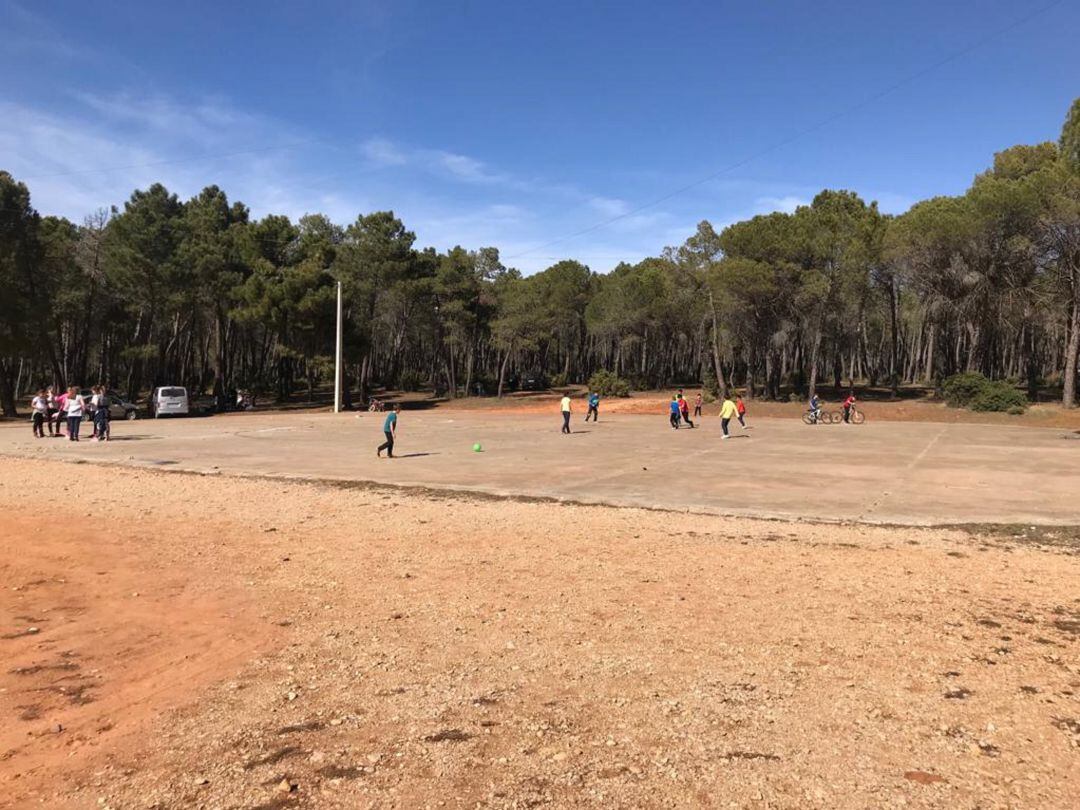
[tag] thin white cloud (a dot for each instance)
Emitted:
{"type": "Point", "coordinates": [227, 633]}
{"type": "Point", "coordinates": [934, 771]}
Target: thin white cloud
{"type": "Point", "coordinates": [208, 123]}
{"type": "Point", "coordinates": [445, 196]}
{"type": "Point", "coordinates": [608, 206]}
{"type": "Point", "coordinates": [380, 153]}
{"type": "Point", "coordinates": [787, 204]}
{"type": "Point", "coordinates": [383, 153]}
{"type": "Point", "coordinates": [465, 167]}
{"type": "Point", "coordinates": [95, 155]}
{"type": "Point", "coordinates": [26, 32]}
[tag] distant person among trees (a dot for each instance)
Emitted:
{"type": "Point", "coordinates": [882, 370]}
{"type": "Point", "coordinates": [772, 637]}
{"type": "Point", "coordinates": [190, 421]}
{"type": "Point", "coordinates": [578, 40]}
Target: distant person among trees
{"type": "Point", "coordinates": [101, 414]}
{"type": "Point", "coordinates": [698, 402]}
{"type": "Point", "coordinates": [40, 407]}
{"type": "Point", "coordinates": [61, 411]}
{"type": "Point", "coordinates": [92, 407]}
{"type": "Point", "coordinates": [740, 411]}
{"type": "Point", "coordinates": [684, 411]}
{"type": "Point", "coordinates": [53, 414]}
{"type": "Point", "coordinates": [594, 407]}
{"type": "Point", "coordinates": [727, 411]}
{"type": "Point", "coordinates": [390, 431]}
{"type": "Point", "coordinates": [676, 414]}
{"type": "Point", "coordinates": [565, 406]}
{"type": "Point", "coordinates": [74, 405]}
{"type": "Point", "coordinates": [849, 403]}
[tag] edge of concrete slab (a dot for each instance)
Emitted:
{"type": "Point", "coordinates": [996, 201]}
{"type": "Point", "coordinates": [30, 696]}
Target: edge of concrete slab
{"type": "Point", "coordinates": [1058, 534]}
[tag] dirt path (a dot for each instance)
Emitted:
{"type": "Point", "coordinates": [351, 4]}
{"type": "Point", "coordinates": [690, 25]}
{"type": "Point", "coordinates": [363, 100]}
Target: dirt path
{"type": "Point", "coordinates": [295, 645]}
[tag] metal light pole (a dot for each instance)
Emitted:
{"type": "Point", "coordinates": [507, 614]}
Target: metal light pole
{"type": "Point", "coordinates": [337, 356]}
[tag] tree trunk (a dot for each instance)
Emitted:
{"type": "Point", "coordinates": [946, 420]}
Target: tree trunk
{"type": "Point", "coordinates": [220, 359]}
{"type": "Point", "coordinates": [469, 369]}
{"type": "Point", "coordinates": [894, 380]}
{"type": "Point", "coordinates": [502, 370]}
{"type": "Point", "coordinates": [8, 404]}
{"type": "Point", "coordinates": [1072, 353]}
{"type": "Point", "coordinates": [815, 350]}
{"type": "Point", "coordinates": [718, 369]}
{"type": "Point", "coordinates": [751, 367]}
{"type": "Point", "coordinates": [928, 374]}
{"type": "Point", "coordinates": [1031, 362]}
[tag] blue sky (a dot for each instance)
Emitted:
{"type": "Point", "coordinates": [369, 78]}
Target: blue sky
{"type": "Point", "coordinates": [515, 124]}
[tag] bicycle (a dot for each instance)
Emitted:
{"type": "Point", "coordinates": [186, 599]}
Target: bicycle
{"type": "Point", "coordinates": [819, 417]}
{"type": "Point", "coordinates": [856, 417]}
{"type": "Point", "coordinates": [376, 406]}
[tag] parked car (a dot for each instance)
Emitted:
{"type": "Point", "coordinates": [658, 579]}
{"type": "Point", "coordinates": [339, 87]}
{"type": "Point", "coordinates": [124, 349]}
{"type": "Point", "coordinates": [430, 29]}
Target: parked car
{"type": "Point", "coordinates": [119, 408]}
{"type": "Point", "coordinates": [169, 400]}
{"type": "Point", "coordinates": [533, 382]}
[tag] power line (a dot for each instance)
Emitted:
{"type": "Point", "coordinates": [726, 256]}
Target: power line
{"type": "Point", "coordinates": [889, 89]}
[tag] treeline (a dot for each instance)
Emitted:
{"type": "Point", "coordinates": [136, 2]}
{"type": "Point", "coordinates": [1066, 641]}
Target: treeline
{"type": "Point", "coordinates": [198, 293]}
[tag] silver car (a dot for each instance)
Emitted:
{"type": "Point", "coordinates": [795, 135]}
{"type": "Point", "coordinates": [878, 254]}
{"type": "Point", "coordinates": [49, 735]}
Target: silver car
{"type": "Point", "coordinates": [119, 408]}
{"type": "Point", "coordinates": [169, 400]}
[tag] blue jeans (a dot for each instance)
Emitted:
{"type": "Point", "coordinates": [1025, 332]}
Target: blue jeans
{"type": "Point", "coordinates": [73, 427]}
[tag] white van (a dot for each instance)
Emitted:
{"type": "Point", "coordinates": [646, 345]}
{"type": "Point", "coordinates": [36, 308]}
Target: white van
{"type": "Point", "coordinates": [169, 400]}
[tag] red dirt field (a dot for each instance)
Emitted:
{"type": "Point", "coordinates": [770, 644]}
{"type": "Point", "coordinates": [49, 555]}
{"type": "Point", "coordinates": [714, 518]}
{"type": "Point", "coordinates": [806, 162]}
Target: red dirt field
{"type": "Point", "coordinates": [224, 643]}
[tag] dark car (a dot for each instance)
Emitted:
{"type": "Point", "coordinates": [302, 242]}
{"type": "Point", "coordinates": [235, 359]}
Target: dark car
{"type": "Point", "coordinates": [533, 382]}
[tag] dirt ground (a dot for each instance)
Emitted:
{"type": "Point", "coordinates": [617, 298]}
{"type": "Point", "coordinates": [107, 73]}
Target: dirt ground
{"type": "Point", "coordinates": [906, 473]}
{"type": "Point", "coordinates": [910, 408]}
{"type": "Point", "coordinates": [177, 641]}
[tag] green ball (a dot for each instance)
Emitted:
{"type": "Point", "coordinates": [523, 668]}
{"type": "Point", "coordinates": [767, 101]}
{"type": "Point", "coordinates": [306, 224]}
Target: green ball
{"type": "Point", "coordinates": [477, 448]}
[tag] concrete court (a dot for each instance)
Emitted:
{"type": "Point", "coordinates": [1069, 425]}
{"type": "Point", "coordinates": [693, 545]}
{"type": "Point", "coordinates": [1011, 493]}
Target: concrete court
{"type": "Point", "coordinates": [884, 472]}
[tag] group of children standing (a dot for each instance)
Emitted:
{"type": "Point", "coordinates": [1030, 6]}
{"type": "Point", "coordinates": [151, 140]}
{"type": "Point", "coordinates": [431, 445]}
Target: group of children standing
{"type": "Point", "coordinates": [48, 408]}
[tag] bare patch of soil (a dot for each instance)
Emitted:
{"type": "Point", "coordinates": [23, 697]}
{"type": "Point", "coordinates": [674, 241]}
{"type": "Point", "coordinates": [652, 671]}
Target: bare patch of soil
{"type": "Point", "coordinates": [424, 651]}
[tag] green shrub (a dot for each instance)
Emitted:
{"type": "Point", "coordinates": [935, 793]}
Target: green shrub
{"type": "Point", "coordinates": [960, 390]}
{"type": "Point", "coordinates": [411, 380]}
{"type": "Point", "coordinates": [710, 388]}
{"type": "Point", "coordinates": [607, 384]}
{"type": "Point", "coordinates": [1016, 410]}
{"type": "Point", "coordinates": [559, 381]}
{"type": "Point", "coordinates": [1000, 397]}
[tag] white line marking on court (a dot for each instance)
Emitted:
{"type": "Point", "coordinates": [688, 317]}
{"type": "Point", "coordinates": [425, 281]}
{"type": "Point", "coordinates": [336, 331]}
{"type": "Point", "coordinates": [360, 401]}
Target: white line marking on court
{"type": "Point", "coordinates": [876, 502]}
{"type": "Point", "coordinates": [927, 449]}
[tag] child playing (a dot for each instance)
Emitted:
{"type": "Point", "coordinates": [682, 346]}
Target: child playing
{"type": "Point", "coordinates": [40, 406]}
{"type": "Point", "coordinates": [684, 411]}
